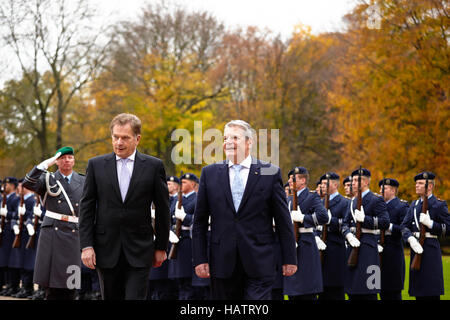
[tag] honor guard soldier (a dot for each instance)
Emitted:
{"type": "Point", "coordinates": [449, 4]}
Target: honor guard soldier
{"type": "Point", "coordinates": [181, 268]}
{"type": "Point", "coordinates": [334, 256]}
{"type": "Point", "coordinates": [19, 258]}
{"type": "Point", "coordinates": [160, 286]}
{"type": "Point", "coordinates": [372, 217]}
{"type": "Point", "coordinates": [58, 252]}
{"type": "Point", "coordinates": [348, 187]}
{"type": "Point", "coordinates": [306, 283]}
{"type": "Point", "coordinates": [393, 258]}
{"type": "Point", "coordinates": [426, 280]}
{"type": "Point", "coordinates": [9, 212]}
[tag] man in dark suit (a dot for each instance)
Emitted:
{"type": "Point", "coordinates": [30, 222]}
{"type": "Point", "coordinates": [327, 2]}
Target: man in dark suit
{"type": "Point", "coordinates": [241, 196]}
{"type": "Point", "coordinates": [59, 244]}
{"type": "Point", "coordinates": [116, 233]}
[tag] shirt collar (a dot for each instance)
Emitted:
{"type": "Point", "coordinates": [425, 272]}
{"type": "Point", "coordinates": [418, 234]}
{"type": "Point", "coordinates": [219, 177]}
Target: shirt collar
{"type": "Point", "coordinates": [131, 157]}
{"type": "Point", "coordinates": [27, 195]}
{"type": "Point", "coordinates": [68, 177]}
{"type": "Point", "coordinates": [364, 193]}
{"type": "Point", "coordinates": [188, 194]}
{"type": "Point", "coordinates": [300, 191]}
{"type": "Point", "coordinates": [390, 200]}
{"type": "Point", "coordinates": [246, 163]}
{"type": "Point", "coordinates": [333, 195]}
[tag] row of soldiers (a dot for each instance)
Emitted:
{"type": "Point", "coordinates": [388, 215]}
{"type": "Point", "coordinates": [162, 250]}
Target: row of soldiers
{"type": "Point", "coordinates": [22, 215]}
{"type": "Point", "coordinates": [326, 236]}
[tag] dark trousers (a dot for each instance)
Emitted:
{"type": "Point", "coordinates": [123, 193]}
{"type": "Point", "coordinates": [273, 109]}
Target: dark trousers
{"type": "Point", "coordinates": [332, 293]}
{"type": "Point", "coordinates": [59, 294]}
{"type": "Point", "coordinates": [242, 286]}
{"type": "Point", "coordinates": [123, 282]}
{"type": "Point", "coordinates": [390, 295]}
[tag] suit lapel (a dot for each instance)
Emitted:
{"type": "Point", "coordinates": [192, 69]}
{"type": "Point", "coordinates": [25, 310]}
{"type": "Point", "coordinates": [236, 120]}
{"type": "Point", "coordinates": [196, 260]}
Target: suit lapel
{"type": "Point", "coordinates": [253, 177]}
{"type": "Point", "coordinates": [224, 176]}
{"type": "Point", "coordinates": [111, 172]}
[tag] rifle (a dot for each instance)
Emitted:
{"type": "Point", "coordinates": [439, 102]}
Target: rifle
{"type": "Point", "coordinates": [18, 237]}
{"type": "Point", "coordinates": [417, 260]}
{"type": "Point", "coordinates": [294, 205]}
{"type": "Point", "coordinates": [353, 258]}
{"type": "Point", "coordinates": [2, 223]}
{"type": "Point", "coordinates": [325, 227]}
{"type": "Point", "coordinates": [382, 232]}
{"type": "Point", "coordinates": [31, 240]}
{"type": "Point", "coordinates": [174, 249]}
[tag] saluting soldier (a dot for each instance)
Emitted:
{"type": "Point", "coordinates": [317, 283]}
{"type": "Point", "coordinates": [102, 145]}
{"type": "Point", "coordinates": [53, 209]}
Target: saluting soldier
{"type": "Point", "coordinates": [373, 216]}
{"type": "Point", "coordinates": [334, 259]}
{"type": "Point", "coordinates": [306, 283]}
{"type": "Point", "coordinates": [59, 243]}
{"type": "Point", "coordinates": [428, 282]}
{"type": "Point", "coordinates": [181, 268]}
{"type": "Point", "coordinates": [393, 263]}
{"type": "Point", "coordinates": [11, 276]}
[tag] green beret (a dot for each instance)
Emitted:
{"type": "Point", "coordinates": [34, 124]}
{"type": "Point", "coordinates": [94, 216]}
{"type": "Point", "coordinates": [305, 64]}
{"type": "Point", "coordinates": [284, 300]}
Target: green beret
{"type": "Point", "coordinates": [65, 150]}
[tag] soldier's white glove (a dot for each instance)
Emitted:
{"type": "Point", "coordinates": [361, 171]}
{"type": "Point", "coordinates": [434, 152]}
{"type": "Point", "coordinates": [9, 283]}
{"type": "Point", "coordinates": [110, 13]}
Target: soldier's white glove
{"type": "Point", "coordinates": [320, 244]}
{"type": "Point", "coordinates": [415, 245]}
{"type": "Point", "coordinates": [179, 213]}
{"type": "Point", "coordinates": [16, 229]}
{"type": "Point", "coordinates": [30, 229]}
{"type": "Point", "coordinates": [380, 248]}
{"type": "Point", "coordinates": [3, 211]}
{"type": "Point", "coordinates": [297, 215]}
{"type": "Point", "coordinates": [37, 211]}
{"type": "Point", "coordinates": [49, 162]}
{"type": "Point", "coordinates": [173, 237]}
{"type": "Point", "coordinates": [329, 216]}
{"type": "Point", "coordinates": [359, 215]}
{"type": "Point", "coordinates": [425, 219]}
{"type": "Point", "coordinates": [22, 210]}
{"type": "Point", "coordinates": [352, 240]}
{"type": "Point", "coordinates": [152, 213]}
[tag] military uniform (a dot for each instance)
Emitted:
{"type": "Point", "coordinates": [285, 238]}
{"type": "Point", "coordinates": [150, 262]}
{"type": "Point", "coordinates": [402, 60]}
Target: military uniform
{"type": "Point", "coordinates": [334, 257]}
{"type": "Point", "coordinates": [393, 263]}
{"type": "Point", "coordinates": [306, 283]}
{"type": "Point", "coordinates": [376, 218]}
{"type": "Point", "coordinates": [59, 243]}
{"type": "Point", "coordinates": [181, 268]}
{"type": "Point", "coordinates": [11, 277]}
{"type": "Point", "coordinates": [429, 280]}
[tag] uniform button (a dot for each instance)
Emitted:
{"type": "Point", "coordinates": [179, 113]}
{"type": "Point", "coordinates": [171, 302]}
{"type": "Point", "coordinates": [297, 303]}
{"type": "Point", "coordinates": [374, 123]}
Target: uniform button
{"type": "Point", "coordinates": [76, 204]}
{"type": "Point", "coordinates": [73, 230]}
{"type": "Point", "coordinates": [56, 228]}
{"type": "Point", "coordinates": [59, 201]}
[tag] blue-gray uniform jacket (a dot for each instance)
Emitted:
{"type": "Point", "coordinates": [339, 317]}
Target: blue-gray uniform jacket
{"type": "Point", "coordinates": [12, 204]}
{"type": "Point", "coordinates": [334, 260]}
{"type": "Point", "coordinates": [30, 253]}
{"type": "Point", "coordinates": [308, 278]}
{"type": "Point", "coordinates": [17, 256]}
{"type": "Point", "coordinates": [429, 280]}
{"type": "Point", "coordinates": [162, 271]}
{"type": "Point", "coordinates": [59, 241]}
{"type": "Point", "coordinates": [181, 267]}
{"type": "Point", "coordinates": [376, 217]}
{"type": "Point", "coordinates": [393, 266]}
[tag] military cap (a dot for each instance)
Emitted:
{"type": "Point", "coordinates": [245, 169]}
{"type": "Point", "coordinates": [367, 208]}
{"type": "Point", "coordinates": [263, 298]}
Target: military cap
{"type": "Point", "coordinates": [347, 179]}
{"type": "Point", "coordinates": [190, 176]}
{"type": "Point", "coordinates": [11, 180]}
{"type": "Point", "coordinates": [173, 179]}
{"type": "Point", "coordinates": [364, 172]}
{"type": "Point", "coordinates": [389, 182]}
{"type": "Point", "coordinates": [298, 170]}
{"type": "Point", "coordinates": [332, 176]}
{"type": "Point", "coordinates": [425, 175]}
{"type": "Point", "coordinates": [65, 150]}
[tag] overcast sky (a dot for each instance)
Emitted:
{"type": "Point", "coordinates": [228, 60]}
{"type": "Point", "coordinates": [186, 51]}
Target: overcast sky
{"type": "Point", "coordinates": [279, 16]}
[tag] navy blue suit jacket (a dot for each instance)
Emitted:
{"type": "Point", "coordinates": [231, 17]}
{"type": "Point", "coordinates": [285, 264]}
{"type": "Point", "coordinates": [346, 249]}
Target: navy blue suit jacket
{"type": "Point", "coordinates": [247, 232]}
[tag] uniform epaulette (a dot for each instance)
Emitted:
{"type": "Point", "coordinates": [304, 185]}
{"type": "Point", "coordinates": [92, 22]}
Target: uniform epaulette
{"type": "Point", "coordinates": [377, 194]}
{"type": "Point", "coordinates": [404, 201]}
